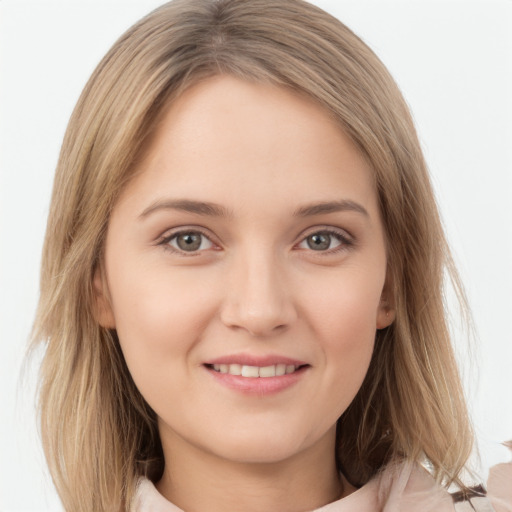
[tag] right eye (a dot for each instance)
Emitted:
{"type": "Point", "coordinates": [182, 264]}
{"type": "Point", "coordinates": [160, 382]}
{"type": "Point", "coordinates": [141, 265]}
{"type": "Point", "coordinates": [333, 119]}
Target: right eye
{"type": "Point", "coordinates": [188, 241]}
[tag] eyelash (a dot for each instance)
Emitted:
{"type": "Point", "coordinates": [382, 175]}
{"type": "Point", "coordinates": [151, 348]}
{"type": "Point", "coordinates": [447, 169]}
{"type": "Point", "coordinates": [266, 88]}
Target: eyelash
{"type": "Point", "coordinates": [346, 242]}
{"type": "Point", "coordinates": [165, 241]}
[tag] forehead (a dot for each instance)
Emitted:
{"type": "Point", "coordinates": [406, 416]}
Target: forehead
{"type": "Point", "coordinates": [248, 144]}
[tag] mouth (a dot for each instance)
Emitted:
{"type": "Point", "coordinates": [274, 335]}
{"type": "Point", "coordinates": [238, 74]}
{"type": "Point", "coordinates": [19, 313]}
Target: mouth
{"type": "Point", "coordinates": [257, 376]}
{"type": "Point", "coordinates": [253, 372]}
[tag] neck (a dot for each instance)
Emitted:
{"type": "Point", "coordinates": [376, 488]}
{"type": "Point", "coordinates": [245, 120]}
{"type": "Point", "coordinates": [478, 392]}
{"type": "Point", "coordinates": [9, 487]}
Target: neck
{"type": "Point", "coordinates": [197, 481]}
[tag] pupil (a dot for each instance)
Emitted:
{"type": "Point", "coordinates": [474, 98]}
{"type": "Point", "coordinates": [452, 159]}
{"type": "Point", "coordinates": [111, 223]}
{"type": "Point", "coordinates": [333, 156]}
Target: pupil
{"type": "Point", "coordinates": [189, 241]}
{"type": "Point", "coordinates": [319, 242]}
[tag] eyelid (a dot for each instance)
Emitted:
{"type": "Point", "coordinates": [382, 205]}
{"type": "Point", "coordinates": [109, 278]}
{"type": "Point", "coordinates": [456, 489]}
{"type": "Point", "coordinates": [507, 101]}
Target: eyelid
{"type": "Point", "coordinates": [169, 234]}
{"type": "Point", "coordinates": [345, 238]}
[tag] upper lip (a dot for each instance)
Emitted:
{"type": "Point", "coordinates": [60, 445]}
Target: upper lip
{"type": "Point", "coordinates": [254, 360]}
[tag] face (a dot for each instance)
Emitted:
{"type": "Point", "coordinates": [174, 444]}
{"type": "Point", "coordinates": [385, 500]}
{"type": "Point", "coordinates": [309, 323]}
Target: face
{"type": "Point", "coordinates": [245, 268]}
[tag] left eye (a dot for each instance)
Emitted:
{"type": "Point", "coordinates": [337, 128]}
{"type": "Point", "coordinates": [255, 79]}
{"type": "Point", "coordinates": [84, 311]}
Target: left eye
{"type": "Point", "coordinates": [322, 241]}
{"type": "Point", "coordinates": [189, 241]}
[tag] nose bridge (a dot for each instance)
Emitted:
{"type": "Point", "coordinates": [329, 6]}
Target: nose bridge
{"type": "Point", "coordinates": [258, 296]}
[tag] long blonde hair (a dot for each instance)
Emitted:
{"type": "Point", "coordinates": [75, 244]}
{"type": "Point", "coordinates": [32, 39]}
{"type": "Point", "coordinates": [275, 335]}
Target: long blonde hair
{"type": "Point", "coordinates": [99, 434]}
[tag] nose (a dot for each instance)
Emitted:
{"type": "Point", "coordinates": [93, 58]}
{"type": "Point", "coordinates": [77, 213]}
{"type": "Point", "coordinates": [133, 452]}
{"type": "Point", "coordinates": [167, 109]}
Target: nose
{"type": "Point", "coordinates": [258, 297]}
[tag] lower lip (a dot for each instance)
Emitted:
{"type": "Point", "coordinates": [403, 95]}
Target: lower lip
{"type": "Point", "coordinates": [258, 385]}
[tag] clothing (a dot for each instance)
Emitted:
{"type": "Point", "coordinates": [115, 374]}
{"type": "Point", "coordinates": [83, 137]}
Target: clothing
{"type": "Point", "coordinates": [404, 488]}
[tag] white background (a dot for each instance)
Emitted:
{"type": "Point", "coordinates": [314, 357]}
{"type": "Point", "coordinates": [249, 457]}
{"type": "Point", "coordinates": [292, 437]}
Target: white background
{"type": "Point", "coordinates": [453, 61]}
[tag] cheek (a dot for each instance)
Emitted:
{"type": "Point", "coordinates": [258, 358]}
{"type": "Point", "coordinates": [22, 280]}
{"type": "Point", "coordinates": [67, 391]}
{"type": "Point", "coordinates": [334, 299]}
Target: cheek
{"type": "Point", "coordinates": [344, 307]}
{"type": "Point", "coordinates": [344, 321]}
{"type": "Point", "coordinates": [159, 317]}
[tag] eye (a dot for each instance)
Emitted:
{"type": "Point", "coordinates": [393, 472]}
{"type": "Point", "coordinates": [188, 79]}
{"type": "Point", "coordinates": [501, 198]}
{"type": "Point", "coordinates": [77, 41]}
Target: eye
{"type": "Point", "coordinates": [188, 241]}
{"type": "Point", "coordinates": [323, 241]}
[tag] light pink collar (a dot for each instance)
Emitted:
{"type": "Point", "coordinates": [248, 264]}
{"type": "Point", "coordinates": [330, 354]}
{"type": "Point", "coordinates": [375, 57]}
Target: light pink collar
{"type": "Point", "coordinates": [398, 488]}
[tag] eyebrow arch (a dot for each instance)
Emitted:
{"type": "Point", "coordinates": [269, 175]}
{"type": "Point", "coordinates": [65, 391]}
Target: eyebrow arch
{"type": "Point", "coordinates": [214, 210]}
{"type": "Point", "coordinates": [186, 205]}
{"type": "Point", "coordinates": [330, 207]}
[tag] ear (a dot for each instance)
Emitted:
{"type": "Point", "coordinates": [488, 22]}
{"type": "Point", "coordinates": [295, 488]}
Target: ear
{"type": "Point", "coordinates": [386, 312]}
{"type": "Point", "coordinates": [102, 304]}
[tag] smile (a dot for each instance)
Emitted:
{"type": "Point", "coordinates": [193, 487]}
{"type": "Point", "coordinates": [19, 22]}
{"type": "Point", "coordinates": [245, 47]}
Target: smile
{"type": "Point", "coordinates": [258, 376]}
{"type": "Point", "coordinates": [275, 370]}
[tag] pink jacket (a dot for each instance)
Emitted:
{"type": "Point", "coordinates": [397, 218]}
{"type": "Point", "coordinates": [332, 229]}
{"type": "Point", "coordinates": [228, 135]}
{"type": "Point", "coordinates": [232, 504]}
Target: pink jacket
{"type": "Point", "coordinates": [405, 488]}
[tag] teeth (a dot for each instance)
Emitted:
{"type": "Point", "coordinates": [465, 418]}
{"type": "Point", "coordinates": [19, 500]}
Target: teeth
{"type": "Point", "coordinates": [268, 371]}
{"type": "Point", "coordinates": [250, 371]}
{"type": "Point", "coordinates": [235, 369]}
{"type": "Point", "coordinates": [275, 370]}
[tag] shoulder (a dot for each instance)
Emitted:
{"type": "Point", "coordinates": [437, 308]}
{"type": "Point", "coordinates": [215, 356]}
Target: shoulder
{"type": "Point", "coordinates": [476, 501]}
{"type": "Point", "coordinates": [411, 487]}
{"type": "Point", "coordinates": [148, 499]}
{"type": "Point", "coordinates": [481, 504]}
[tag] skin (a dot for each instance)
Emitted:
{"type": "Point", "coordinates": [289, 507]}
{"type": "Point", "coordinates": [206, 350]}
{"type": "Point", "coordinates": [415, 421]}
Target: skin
{"type": "Point", "coordinates": [253, 286]}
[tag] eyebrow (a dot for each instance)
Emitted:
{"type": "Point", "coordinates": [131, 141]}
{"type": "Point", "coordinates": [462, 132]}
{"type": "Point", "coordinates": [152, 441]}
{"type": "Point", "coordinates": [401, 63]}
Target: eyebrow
{"type": "Point", "coordinates": [215, 210]}
{"type": "Point", "coordinates": [187, 205]}
{"type": "Point", "coordinates": [343, 205]}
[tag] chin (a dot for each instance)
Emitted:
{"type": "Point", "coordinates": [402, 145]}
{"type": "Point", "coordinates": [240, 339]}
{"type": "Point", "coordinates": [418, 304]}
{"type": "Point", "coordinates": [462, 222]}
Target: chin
{"type": "Point", "coordinates": [268, 447]}
{"type": "Point", "coordinates": [264, 453]}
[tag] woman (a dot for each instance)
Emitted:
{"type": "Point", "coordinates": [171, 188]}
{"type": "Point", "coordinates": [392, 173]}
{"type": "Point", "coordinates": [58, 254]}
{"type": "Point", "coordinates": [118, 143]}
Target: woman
{"type": "Point", "coordinates": [248, 311]}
